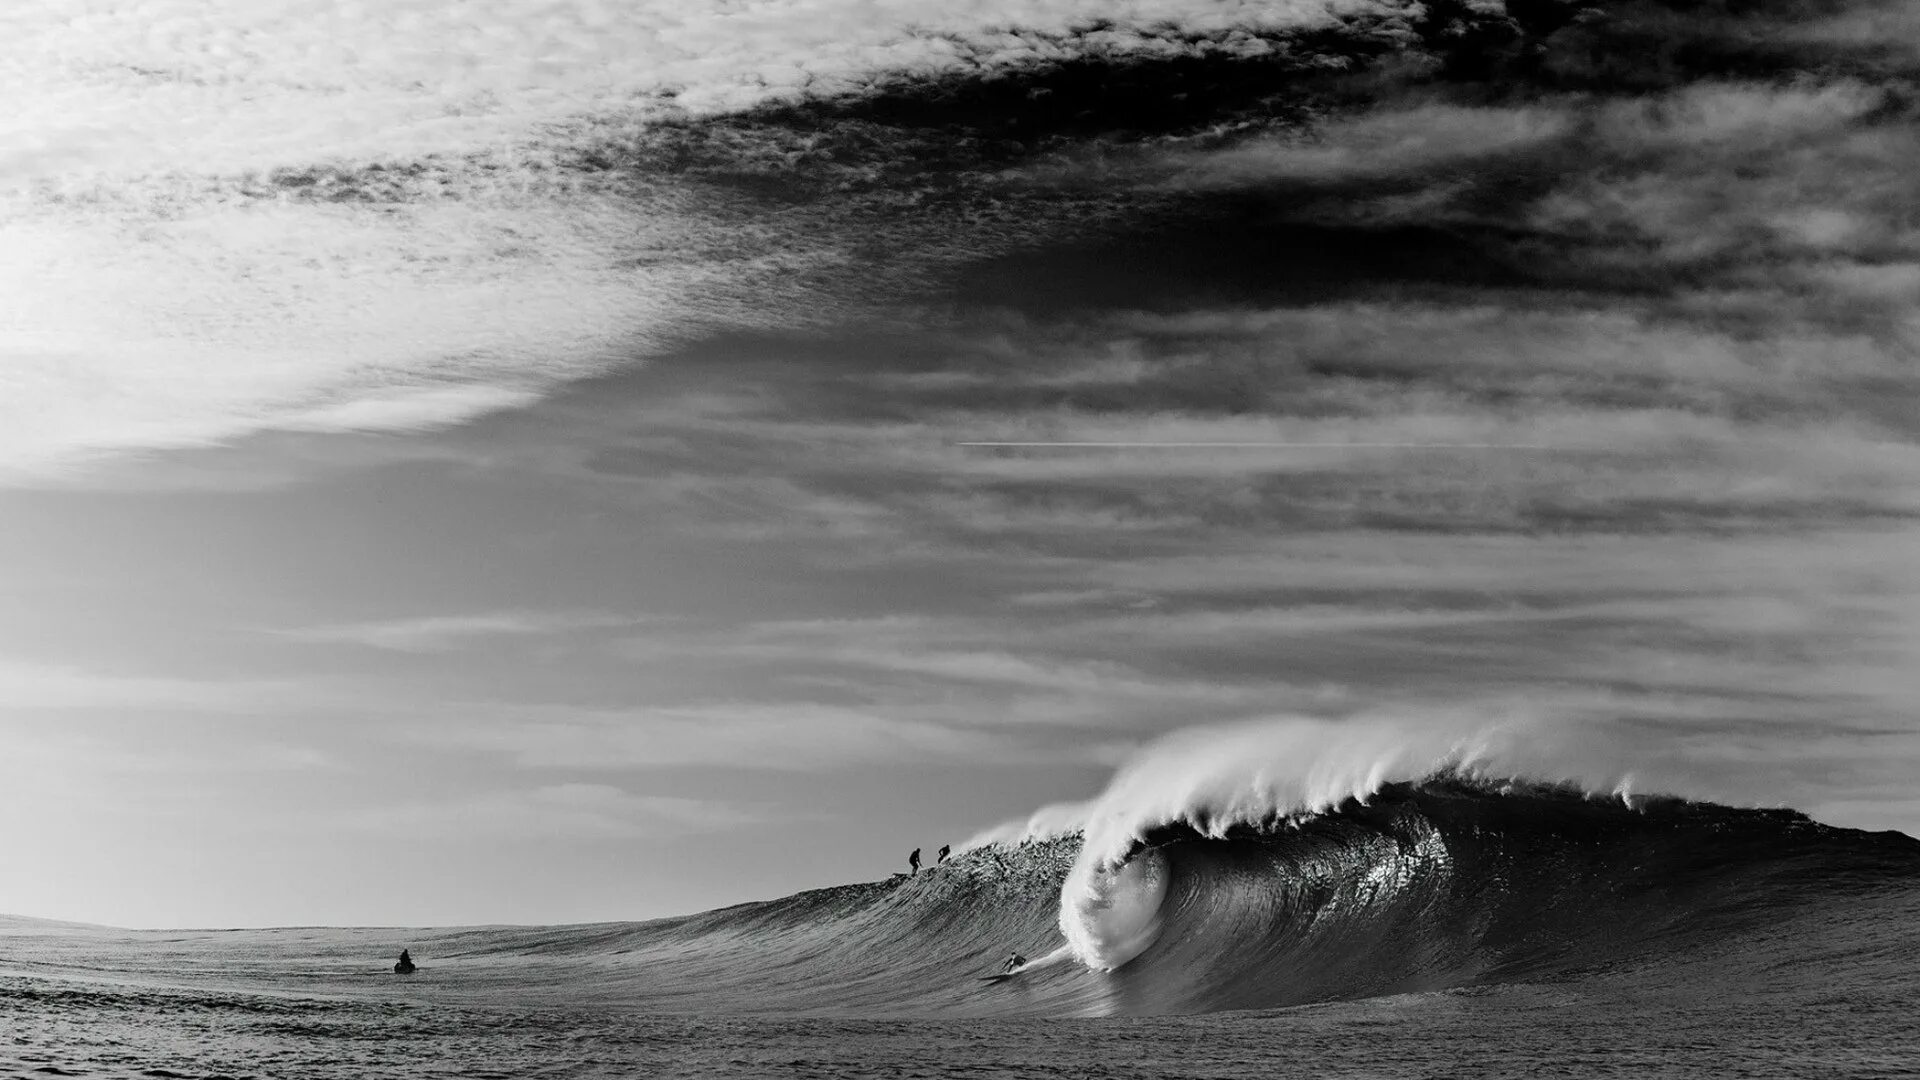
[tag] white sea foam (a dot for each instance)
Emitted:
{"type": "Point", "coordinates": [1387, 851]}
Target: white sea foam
{"type": "Point", "coordinates": [1111, 914]}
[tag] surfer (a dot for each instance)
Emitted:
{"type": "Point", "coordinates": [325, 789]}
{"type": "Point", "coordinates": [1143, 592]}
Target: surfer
{"type": "Point", "coordinates": [1014, 963]}
{"type": "Point", "coordinates": [405, 966]}
{"type": "Point", "coordinates": [943, 855]}
{"type": "Point", "coordinates": [913, 860]}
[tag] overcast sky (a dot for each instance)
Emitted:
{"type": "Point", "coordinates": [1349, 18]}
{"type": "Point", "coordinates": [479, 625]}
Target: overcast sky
{"type": "Point", "coordinates": [512, 461]}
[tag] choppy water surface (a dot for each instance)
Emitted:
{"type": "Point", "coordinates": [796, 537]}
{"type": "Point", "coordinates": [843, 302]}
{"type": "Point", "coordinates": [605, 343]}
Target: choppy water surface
{"type": "Point", "coordinates": [1446, 928]}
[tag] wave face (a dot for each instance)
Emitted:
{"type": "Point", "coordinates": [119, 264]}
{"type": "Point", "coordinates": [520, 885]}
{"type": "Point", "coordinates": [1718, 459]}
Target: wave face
{"type": "Point", "coordinates": [1447, 882]}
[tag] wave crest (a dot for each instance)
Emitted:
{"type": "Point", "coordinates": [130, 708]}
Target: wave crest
{"type": "Point", "coordinates": [1213, 780]}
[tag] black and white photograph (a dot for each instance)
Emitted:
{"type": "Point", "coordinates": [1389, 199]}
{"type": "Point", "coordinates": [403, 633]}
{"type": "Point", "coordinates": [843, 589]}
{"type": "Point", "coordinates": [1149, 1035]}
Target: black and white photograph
{"type": "Point", "coordinates": [1008, 539]}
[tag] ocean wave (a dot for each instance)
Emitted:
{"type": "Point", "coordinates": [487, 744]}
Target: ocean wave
{"type": "Point", "coordinates": [1295, 859]}
{"type": "Point", "coordinates": [1259, 866]}
{"type": "Point", "coordinates": [1455, 879]}
{"type": "Point", "coordinates": [1273, 864]}
{"type": "Point", "coordinates": [1211, 781]}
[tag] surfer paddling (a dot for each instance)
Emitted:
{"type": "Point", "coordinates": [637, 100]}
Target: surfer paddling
{"type": "Point", "coordinates": [405, 966]}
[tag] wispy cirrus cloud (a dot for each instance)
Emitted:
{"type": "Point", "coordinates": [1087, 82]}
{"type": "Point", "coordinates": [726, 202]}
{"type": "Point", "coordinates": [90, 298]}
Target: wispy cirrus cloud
{"type": "Point", "coordinates": [33, 687]}
{"type": "Point", "coordinates": [903, 666]}
{"type": "Point", "coordinates": [440, 633]}
{"type": "Point", "coordinates": [1420, 417]}
{"type": "Point", "coordinates": [750, 735]}
{"type": "Point", "coordinates": [573, 812]}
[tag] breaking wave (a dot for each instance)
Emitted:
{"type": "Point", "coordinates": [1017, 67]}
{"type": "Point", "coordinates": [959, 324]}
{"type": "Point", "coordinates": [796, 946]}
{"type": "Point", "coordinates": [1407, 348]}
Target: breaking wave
{"type": "Point", "coordinates": [1252, 867]}
{"type": "Point", "coordinates": [1280, 774]}
{"type": "Point", "coordinates": [1449, 882]}
{"type": "Point", "coordinates": [1289, 863]}
{"type": "Point", "coordinates": [1220, 871]}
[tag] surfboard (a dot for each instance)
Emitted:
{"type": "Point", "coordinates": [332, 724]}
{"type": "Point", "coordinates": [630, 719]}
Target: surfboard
{"type": "Point", "coordinates": [1003, 976]}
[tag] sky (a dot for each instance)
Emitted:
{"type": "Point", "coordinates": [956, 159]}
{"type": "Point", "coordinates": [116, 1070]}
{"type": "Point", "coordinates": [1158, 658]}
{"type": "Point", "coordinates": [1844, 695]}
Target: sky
{"type": "Point", "coordinates": [565, 461]}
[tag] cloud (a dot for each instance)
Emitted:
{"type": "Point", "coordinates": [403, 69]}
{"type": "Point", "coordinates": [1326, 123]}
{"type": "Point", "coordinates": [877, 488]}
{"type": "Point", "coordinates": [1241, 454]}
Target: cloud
{"type": "Point", "coordinates": [744, 735]}
{"type": "Point", "coordinates": [226, 219]}
{"type": "Point", "coordinates": [136, 331]}
{"type": "Point", "coordinates": [1780, 179]}
{"type": "Point", "coordinates": [442, 633]}
{"type": "Point", "coordinates": [1426, 140]}
{"type": "Point", "coordinates": [573, 812]}
{"type": "Point", "coordinates": [925, 660]}
{"type": "Point", "coordinates": [217, 87]}
{"type": "Point", "coordinates": [1486, 415]}
{"type": "Point", "coordinates": [411, 409]}
{"type": "Point", "coordinates": [1702, 118]}
{"type": "Point", "coordinates": [102, 753]}
{"type": "Point", "coordinates": [397, 220]}
{"type": "Point", "coordinates": [28, 687]}
{"type": "Point", "coordinates": [1743, 203]}
{"type": "Point", "coordinates": [1888, 27]}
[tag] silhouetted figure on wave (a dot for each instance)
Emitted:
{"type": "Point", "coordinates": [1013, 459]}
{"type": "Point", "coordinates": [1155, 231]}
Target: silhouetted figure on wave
{"type": "Point", "coordinates": [913, 860]}
{"type": "Point", "coordinates": [405, 966]}
{"type": "Point", "coordinates": [1014, 963]}
{"type": "Point", "coordinates": [943, 855]}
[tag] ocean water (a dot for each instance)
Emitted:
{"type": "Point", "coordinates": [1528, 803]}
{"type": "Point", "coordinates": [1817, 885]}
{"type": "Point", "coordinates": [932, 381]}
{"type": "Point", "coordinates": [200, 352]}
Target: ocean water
{"type": "Point", "coordinates": [1442, 928]}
